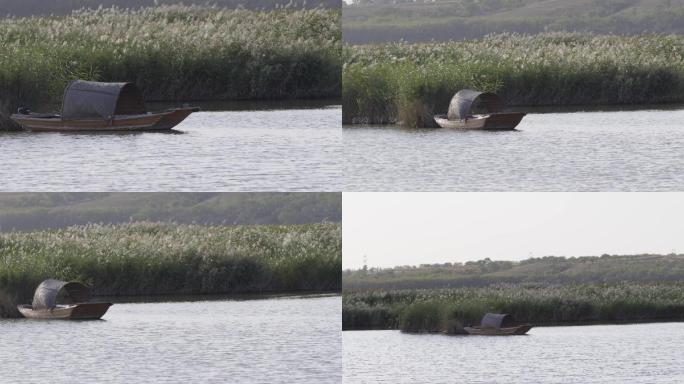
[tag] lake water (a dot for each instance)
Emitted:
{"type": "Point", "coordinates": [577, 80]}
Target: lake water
{"type": "Point", "coordinates": [581, 151]}
{"type": "Point", "coordinates": [281, 340]}
{"type": "Point", "coordinates": [644, 353]}
{"type": "Point", "coordinates": [256, 150]}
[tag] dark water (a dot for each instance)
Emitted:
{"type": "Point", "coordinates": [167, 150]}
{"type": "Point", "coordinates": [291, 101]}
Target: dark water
{"type": "Point", "coordinates": [581, 151]}
{"type": "Point", "coordinates": [282, 340]}
{"type": "Point", "coordinates": [256, 150]}
{"type": "Point", "coordinates": [644, 353]}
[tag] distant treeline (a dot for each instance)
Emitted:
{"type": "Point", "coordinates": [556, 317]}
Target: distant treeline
{"type": "Point", "coordinates": [376, 21]}
{"type": "Point", "coordinates": [604, 269]}
{"type": "Point", "coordinates": [145, 258]}
{"type": "Point", "coordinates": [34, 211]}
{"type": "Point", "coordinates": [64, 7]}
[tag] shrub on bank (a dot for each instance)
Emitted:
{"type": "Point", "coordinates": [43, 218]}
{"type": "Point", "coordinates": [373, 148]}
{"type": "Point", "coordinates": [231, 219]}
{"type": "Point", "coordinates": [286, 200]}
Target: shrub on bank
{"type": "Point", "coordinates": [449, 309]}
{"type": "Point", "coordinates": [409, 83]}
{"type": "Point", "coordinates": [172, 53]}
{"type": "Point", "coordinates": [153, 259]}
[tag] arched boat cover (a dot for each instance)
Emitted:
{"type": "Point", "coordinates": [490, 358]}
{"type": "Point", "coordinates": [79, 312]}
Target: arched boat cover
{"type": "Point", "coordinates": [497, 320]}
{"type": "Point", "coordinates": [45, 296]}
{"type": "Point", "coordinates": [462, 103]}
{"type": "Point", "coordinates": [90, 99]}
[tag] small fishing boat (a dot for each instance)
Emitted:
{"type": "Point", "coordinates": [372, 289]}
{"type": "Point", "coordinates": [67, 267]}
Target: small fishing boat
{"type": "Point", "coordinates": [45, 304]}
{"type": "Point", "coordinates": [463, 112]}
{"type": "Point", "coordinates": [498, 324]}
{"type": "Point", "coordinates": [93, 106]}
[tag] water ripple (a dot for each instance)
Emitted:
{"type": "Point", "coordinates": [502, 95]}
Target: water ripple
{"type": "Point", "coordinates": [644, 353]}
{"type": "Point", "coordinates": [275, 150]}
{"type": "Point", "coordinates": [286, 340]}
{"type": "Point", "coordinates": [584, 151]}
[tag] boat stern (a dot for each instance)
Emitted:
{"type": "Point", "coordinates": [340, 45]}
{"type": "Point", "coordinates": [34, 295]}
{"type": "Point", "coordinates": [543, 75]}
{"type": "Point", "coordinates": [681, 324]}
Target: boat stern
{"type": "Point", "coordinates": [89, 311]}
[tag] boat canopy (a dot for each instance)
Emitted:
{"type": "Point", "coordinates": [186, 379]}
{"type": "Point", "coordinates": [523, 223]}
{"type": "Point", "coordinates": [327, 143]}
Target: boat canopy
{"type": "Point", "coordinates": [463, 101]}
{"type": "Point", "coordinates": [90, 99]}
{"type": "Point", "coordinates": [497, 320]}
{"type": "Point", "coordinates": [46, 294]}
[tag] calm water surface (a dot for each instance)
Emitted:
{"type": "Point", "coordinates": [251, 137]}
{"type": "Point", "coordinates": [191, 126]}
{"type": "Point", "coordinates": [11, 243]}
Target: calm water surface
{"type": "Point", "coordinates": [284, 340]}
{"type": "Point", "coordinates": [582, 151]}
{"type": "Point", "coordinates": [644, 353]}
{"type": "Point", "coordinates": [273, 150]}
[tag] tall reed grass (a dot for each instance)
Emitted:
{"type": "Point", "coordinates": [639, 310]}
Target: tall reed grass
{"type": "Point", "coordinates": [151, 258]}
{"type": "Point", "coordinates": [173, 53]}
{"type": "Point", "coordinates": [410, 83]}
{"type": "Point", "coordinates": [449, 309]}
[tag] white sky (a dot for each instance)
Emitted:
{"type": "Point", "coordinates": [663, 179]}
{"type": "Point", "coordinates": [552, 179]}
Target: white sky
{"type": "Point", "coordinates": [413, 228]}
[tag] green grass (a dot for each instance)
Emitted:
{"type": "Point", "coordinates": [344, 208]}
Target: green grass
{"type": "Point", "coordinates": [449, 309]}
{"type": "Point", "coordinates": [173, 53]}
{"type": "Point", "coordinates": [409, 83]}
{"type": "Point", "coordinates": [152, 259]}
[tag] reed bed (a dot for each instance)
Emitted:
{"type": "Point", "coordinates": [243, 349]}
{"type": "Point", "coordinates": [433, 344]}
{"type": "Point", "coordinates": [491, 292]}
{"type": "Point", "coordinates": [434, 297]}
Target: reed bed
{"type": "Point", "coordinates": [173, 53]}
{"type": "Point", "coordinates": [408, 83]}
{"type": "Point", "coordinates": [449, 309]}
{"type": "Point", "coordinates": [151, 259]}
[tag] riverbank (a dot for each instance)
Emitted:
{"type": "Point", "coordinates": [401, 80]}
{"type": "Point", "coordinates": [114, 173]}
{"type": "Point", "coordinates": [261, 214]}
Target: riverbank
{"type": "Point", "coordinates": [168, 259]}
{"type": "Point", "coordinates": [448, 310]}
{"type": "Point", "coordinates": [172, 53]}
{"type": "Point", "coordinates": [409, 83]}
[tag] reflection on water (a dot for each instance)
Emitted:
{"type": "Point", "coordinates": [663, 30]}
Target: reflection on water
{"type": "Point", "coordinates": [643, 353]}
{"type": "Point", "coordinates": [265, 150]}
{"type": "Point", "coordinates": [284, 340]}
{"type": "Point", "coordinates": [592, 151]}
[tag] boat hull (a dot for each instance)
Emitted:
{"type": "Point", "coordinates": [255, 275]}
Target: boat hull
{"type": "Point", "coordinates": [83, 311]}
{"type": "Point", "coordinates": [507, 331]}
{"type": "Point", "coordinates": [493, 122]}
{"type": "Point", "coordinates": [158, 121]}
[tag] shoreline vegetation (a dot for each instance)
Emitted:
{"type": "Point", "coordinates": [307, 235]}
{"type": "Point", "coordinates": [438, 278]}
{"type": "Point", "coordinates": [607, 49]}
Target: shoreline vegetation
{"type": "Point", "coordinates": [541, 291]}
{"type": "Point", "coordinates": [173, 53]}
{"type": "Point", "coordinates": [409, 83]}
{"type": "Point", "coordinates": [147, 258]}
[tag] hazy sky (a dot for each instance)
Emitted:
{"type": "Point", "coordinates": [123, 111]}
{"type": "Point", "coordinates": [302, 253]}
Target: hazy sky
{"type": "Point", "coordinates": [414, 228]}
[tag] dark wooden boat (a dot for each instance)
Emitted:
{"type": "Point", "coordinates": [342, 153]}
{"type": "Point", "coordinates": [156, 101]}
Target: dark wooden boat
{"type": "Point", "coordinates": [82, 311]}
{"type": "Point", "coordinates": [505, 331]}
{"type": "Point", "coordinates": [460, 115]}
{"type": "Point", "coordinates": [91, 107]}
{"type": "Point", "coordinates": [498, 324]}
{"type": "Point", "coordinates": [45, 304]}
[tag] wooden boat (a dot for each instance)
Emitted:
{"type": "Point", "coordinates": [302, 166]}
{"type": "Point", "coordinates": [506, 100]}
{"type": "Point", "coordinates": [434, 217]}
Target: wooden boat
{"type": "Point", "coordinates": [45, 305]}
{"type": "Point", "coordinates": [506, 331]}
{"type": "Point", "coordinates": [498, 324]}
{"type": "Point", "coordinates": [82, 311]}
{"type": "Point", "coordinates": [97, 107]}
{"type": "Point", "coordinates": [460, 115]}
{"type": "Point", "coordinates": [493, 122]}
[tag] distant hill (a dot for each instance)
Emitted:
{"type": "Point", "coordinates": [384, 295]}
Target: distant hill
{"type": "Point", "coordinates": [554, 270]}
{"type": "Point", "coordinates": [63, 7]}
{"type": "Point", "coordinates": [374, 21]}
{"type": "Point", "coordinates": [33, 211]}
